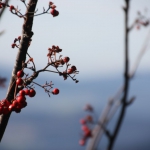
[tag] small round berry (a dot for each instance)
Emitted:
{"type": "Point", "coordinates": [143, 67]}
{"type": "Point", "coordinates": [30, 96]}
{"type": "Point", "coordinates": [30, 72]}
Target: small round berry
{"type": "Point", "coordinates": [19, 81]}
{"type": "Point", "coordinates": [19, 37]}
{"type": "Point", "coordinates": [4, 102]}
{"type": "Point", "coordinates": [83, 121]}
{"type": "Point", "coordinates": [5, 110]}
{"type": "Point", "coordinates": [17, 110]}
{"type": "Point", "coordinates": [11, 107]}
{"type": "Point", "coordinates": [51, 3]}
{"type": "Point", "coordinates": [55, 91]}
{"type": "Point", "coordinates": [82, 142]}
{"type": "Point", "coordinates": [21, 99]}
{"type": "Point", "coordinates": [27, 92]}
{"type": "Point", "coordinates": [73, 68]}
{"type": "Point", "coordinates": [32, 93]}
{"type": "Point", "coordinates": [15, 103]}
{"type": "Point", "coordinates": [1, 110]}
{"type": "Point", "coordinates": [66, 59]}
{"type": "Point", "coordinates": [22, 93]}
{"type": "Point", "coordinates": [11, 7]}
{"type": "Point", "coordinates": [69, 71]}
{"type": "Point", "coordinates": [13, 45]}
{"type": "Point", "coordinates": [54, 12]}
{"type": "Point", "coordinates": [20, 74]}
{"type": "Point", "coordinates": [24, 104]}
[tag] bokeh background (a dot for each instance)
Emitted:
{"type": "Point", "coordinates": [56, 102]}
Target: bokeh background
{"type": "Point", "coordinates": [91, 33]}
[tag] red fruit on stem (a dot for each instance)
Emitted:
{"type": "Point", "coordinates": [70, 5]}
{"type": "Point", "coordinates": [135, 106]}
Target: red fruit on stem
{"type": "Point", "coordinates": [88, 133]}
{"type": "Point", "coordinates": [27, 92]}
{"type": "Point", "coordinates": [21, 99]}
{"type": "Point", "coordinates": [19, 37]}
{"type": "Point", "coordinates": [5, 110]}
{"type": "Point", "coordinates": [22, 93]}
{"type": "Point", "coordinates": [51, 3]}
{"type": "Point", "coordinates": [11, 7]}
{"type": "Point", "coordinates": [13, 45]}
{"type": "Point", "coordinates": [4, 102]}
{"type": "Point", "coordinates": [54, 12]}
{"type": "Point", "coordinates": [82, 121]}
{"type": "Point", "coordinates": [15, 103]}
{"type": "Point", "coordinates": [70, 70]}
{"type": "Point", "coordinates": [24, 104]}
{"type": "Point", "coordinates": [82, 142]}
{"type": "Point", "coordinates": [55, 91]}
{"type": "Point", "coordinates": [66, 59]}
{"type": "Point", "coordinates": [17, 110]}
{"type": "Point", "coordinates": [32, 93]}
{"type": "Point", "coordinates": [73, 68]}
{"type": "Point", "coordinates": [20, 74]}
{"type": "Point", "coordinates": [19, 81]}
{"type": "Point", "coordinates": [84, 128]}
{"type": "Point", "coordinates": [11, 107]}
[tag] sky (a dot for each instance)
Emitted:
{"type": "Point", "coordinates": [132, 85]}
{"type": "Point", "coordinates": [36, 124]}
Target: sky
{"type": "Point", "coordinates": [91, 34]}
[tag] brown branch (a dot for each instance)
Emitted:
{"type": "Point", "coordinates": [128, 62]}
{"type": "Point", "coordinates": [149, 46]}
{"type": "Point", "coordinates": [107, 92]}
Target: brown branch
{"type": "Point", "coordinates": [126, 81]}
{"type": "Point", "coordinates": [21, 57]}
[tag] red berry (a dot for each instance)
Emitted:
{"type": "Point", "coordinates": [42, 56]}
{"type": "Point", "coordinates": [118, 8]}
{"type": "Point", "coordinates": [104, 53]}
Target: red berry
{"type": "Point", "coordinates": [17, 110]}
{"type": "Point", "coordinates": [19, 81]}
{"type": "Point", "coordinates": [21, 99]}
{"type": "Point", "coordinates": [15, 103]}
{"type": "Point", "coordinates": [11, 107]}
{"type": "Point", "coordinates": [11, 7]}
{"type": "Point", "coordinates": [20, 74]}
{"type": "Point", "coordinates": [84, 128]}
{"type": "Point", "coordinates": [22, 93]}
{"type": "Point", "coordinates": [82, 121]}
{"type": "Point", "coordinates": [54, 12]}
{"type": "Point", "coordinates": [73, 68]}
{"type": "Point", "coordinates": [69, 71]}
{"type": "Point", "coordinates": [32, 93]}
{"type": "Point", "coordinates": [4, 102]}
{"type": "Point", "coordinates": [66, 59]}
{"type": "Point", "coordinates": [24, 104]}
{"type": "Point", "coordinates": [87, 133]}
{"type": "Point", "coordinates": [55, 91]}
{"type": "Point", "coordinates": [27, 92]}
{"type": "Point", "coordinates": [82, 142]}
{"type": "Point", "coordinates": [13, 45]}
{"type": "Point", "coordinates": [5, 110]}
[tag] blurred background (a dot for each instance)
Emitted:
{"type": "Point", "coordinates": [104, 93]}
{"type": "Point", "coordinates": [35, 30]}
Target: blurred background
{"type": "Point", "coordinates": [91, 33]}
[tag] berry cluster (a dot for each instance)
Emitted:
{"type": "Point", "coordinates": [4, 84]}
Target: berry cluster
{"type": "Point", "coordinates": [19, 100]}
{"type": "Point", "coordinates": [86, 125]}
{"type": "Point", "coordinates": [141, 20]}
{"type": "Point", "coordinates": [60, 62]}
{"type": "Point", "coordinates": [23, 86]}
{"type": "Point", "coordinates": [53, 11]}
{"type": "Point", "coordinates": [17, 12]}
